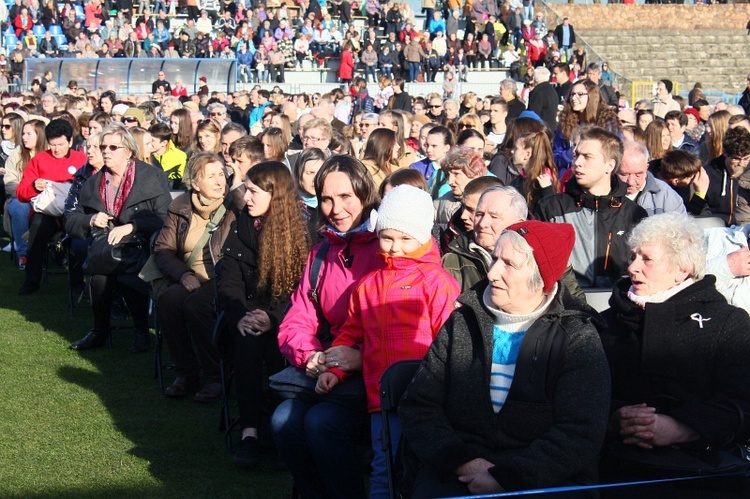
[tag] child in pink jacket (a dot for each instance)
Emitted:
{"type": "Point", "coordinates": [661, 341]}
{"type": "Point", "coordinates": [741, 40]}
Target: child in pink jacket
{"type": "Point", "coordinates": [395, 312]}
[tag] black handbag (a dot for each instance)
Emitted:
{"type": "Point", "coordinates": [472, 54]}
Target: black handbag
{"type": "Point", "coordinates": [126, 257]}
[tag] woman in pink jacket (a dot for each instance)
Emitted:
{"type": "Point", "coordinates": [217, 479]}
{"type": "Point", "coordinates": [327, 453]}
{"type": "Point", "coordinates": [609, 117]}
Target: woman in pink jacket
{"type": "Point", "coordinates": [317, 439]}
{"type": "Point", "coordinates": [395, 311]}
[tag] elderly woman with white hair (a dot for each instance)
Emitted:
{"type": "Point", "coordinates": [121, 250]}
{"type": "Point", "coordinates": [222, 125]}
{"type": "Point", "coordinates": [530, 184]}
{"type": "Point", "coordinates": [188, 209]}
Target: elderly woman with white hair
{"type": "Point", "coordinates": [513, 394]}
{"type": "Point", "coordinates": [678, 354]}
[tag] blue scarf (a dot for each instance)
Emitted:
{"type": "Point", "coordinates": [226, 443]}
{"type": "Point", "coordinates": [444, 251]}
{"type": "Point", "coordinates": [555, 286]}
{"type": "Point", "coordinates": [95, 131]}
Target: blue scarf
{"type": "Point", "coordinates": [344, 235]}
{"type": "Point", "coordinates": [310, 201]}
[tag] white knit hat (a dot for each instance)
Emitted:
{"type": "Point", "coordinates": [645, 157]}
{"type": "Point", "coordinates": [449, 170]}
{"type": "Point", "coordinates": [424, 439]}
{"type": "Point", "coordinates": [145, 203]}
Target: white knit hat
{"type": "Point", "coordinates": [407, 209]}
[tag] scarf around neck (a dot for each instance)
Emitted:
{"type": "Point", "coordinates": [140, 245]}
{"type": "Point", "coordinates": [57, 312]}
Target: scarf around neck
{"type": "Point", "coordinates": [114, 203]}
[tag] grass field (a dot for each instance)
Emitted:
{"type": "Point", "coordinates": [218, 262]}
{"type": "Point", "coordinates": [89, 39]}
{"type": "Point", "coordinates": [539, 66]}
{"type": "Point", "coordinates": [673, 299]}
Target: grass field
{"type": "Point", "coordinates": [93, 424]}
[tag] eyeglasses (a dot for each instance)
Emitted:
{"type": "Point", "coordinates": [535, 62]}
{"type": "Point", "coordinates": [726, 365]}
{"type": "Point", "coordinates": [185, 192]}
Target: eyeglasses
{"type": "Point", "coordinates": [215, 114]}
{"type": "Point", "coordinates": [314, 140]}
{"type": "Point", "coordinates": [580, 95]}
{"type": "Point", "coordinates": [111, 147]}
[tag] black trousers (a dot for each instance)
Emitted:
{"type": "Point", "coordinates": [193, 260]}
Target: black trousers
{"type": "Point", "coordinates": [41, 230]}
{"type": "Point", "coordinates": [134, 291]}
{"type": "Point", "coordinates": [251, 353]}
{"type": "Point", "coordinates": [186, 320]}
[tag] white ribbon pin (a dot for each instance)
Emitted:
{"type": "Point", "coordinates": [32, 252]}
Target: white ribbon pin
{"type": "Point", "coordinates": [699, 319]}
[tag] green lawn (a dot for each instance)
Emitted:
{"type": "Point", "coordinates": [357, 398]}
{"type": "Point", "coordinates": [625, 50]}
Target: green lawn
{"type": "Point", "coordinates": [93, 424]}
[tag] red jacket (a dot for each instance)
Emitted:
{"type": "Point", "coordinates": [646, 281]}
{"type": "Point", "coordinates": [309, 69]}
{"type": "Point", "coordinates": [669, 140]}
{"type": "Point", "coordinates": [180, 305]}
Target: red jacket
{"type": "Point", "coordinates": [179, 92]}
{"type": "Point", "coordinates": [346, 69]}
{"type": "Point", "coordinates": [47, 167]}
{"type": "Point", "coordinates": [395, 312]}
{"type": "Point", "coordinates": [19, 24]}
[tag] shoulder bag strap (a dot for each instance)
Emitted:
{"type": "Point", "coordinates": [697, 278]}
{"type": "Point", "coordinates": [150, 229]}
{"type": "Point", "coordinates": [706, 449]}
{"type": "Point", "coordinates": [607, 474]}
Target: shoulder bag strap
{"type": "Point", "coordinates": [212, 224]}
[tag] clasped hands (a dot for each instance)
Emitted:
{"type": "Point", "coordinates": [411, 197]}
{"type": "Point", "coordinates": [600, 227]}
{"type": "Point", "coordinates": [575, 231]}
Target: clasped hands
{"type": "Point", "coordinates": [477, 478]}
{"type": "Point", "coordinates": [641, 425]}
{"type": "Point", "coordinates": [254, 323]}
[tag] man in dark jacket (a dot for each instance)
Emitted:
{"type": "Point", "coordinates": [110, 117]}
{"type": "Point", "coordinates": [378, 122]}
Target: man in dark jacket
{"type": "Point", "coordinates": [401, 100]}
{"type": "Point", "coordinates": [543, 99]}
{"type": "Point", "coordinates": [565, 36]}
{"type": "Point", "coordinates": [677, 124]}
{"type": "Point", "coordinates": [723, 171]}
{"type": "Point", "coordinates": [509, 92]}
{"type": "Point", "coordinates": [594, 73]}
{"type": "Point", "coordinates": [595, 203]}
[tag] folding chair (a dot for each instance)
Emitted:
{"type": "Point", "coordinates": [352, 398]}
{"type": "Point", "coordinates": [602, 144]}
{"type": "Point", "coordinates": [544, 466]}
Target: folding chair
{"type": "Point", "coordinates": [393, 384]}
{"type": "Point", "coordinates": [222, 340]}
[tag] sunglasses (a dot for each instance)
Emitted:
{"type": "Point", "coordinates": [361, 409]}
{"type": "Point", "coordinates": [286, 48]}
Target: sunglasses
{"type": "Point", "coordinates": [216, 114]}
{"type": "Point", "coordinates": [437, 106]}
{"type": "Point", "coordinates": [7, 127]}
{"type": "Point", "coordinates": [580, 95]}
{"type": "Point", "coordinates": [111, 147]}
{"type": "Point", "coordinates": [130, 119]}
{"type": "Point", "coordinates": [465, 125]}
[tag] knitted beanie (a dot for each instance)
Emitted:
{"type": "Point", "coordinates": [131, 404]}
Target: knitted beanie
{"type": "Point", "coordinates": [407, 209]}
{"type": "Point", "coordinates": [552, 244]}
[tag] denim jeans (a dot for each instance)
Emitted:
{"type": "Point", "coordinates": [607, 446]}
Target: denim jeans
{"type": "Point", "coordinates": [159, 5]}
{"type": "Point", "coordinates": [370, 70]}
{"type": "Point", "coordinates": [19, 223]}
{"type": "Point", "coordinates": [413, 71]}
{"type": "Point", "coordinates": [318, 444]}
{"type": "Point", "coordinates": [379, 475]}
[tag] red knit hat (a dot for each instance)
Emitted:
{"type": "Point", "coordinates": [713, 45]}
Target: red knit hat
{"type": "Point", "coordinates": [552, 244]}
{"type": "Point", "coordinates": [694, 112]}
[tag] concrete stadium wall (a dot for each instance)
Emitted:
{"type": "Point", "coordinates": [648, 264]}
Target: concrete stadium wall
{"type": "Point", "coordinates": [672, 16]}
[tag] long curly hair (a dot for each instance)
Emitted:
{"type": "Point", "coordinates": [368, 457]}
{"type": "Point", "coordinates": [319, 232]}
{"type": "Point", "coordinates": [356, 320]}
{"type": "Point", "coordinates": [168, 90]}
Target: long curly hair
{"type": "Point", "coordinates": [596, 112]}
{"type": "Point", "coordinates": [284, 239]}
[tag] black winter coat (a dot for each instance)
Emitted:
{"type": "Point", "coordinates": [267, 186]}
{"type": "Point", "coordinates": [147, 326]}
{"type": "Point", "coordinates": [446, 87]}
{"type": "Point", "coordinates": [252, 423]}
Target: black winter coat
{"type": "Point", "coordinates": [662, 356]}
{"type": "Point", "coordinates": [553, 422]}
{"type": "Point", "coordinates": [543, 100]}
{"type": "Point", "coordinates": [238, 275]}
{"type": "Point", "coordinates": [145, 207]}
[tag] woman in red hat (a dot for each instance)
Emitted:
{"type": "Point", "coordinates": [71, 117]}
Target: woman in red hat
{"type": "Point", "coordinates": [513, 394]}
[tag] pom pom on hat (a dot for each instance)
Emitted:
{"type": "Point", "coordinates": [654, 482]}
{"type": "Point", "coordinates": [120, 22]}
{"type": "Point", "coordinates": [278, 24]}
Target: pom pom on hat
{"type": "Point", "coordinates": [552, 244]}
{"type": "Point", "coordinates": [409, 210]}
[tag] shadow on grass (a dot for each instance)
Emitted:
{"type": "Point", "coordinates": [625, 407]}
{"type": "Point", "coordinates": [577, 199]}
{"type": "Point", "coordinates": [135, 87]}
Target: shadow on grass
{"type": "Point", "coordinates": [123, 439]}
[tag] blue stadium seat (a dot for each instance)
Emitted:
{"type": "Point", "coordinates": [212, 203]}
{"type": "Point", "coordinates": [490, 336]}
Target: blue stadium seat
{"type": "Point", "coordinates": [79, 12]}
{"type": "Point", "coordinates": [39, 30]}
{"type": "Point", "coordinates": [60, 40]}
{"type": "Point", "coordinates": [9, 30]}
{"type": "Point", "coordinates": [10, 40]}
{"type": "Point", "coordinates": [55, 29]}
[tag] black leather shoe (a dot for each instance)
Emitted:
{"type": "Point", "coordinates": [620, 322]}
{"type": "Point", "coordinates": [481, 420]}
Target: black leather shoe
{"type": "Point", "coordinates": [181, 386]}
{"type": "Point", "coordinates": [140, 343]}
{"type": "Point", "coordinates": [93, 339]}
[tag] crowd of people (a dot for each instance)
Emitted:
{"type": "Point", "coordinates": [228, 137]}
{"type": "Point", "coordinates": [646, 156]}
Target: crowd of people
{"type": "Point", "coordinates": [337, 234]}
{"type": "Point", "coordinates": [266, 38]}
